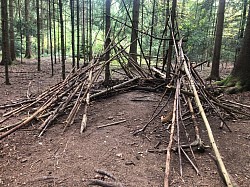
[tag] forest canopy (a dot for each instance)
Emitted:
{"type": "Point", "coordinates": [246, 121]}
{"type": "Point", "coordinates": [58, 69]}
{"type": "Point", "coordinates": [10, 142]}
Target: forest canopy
{"type": "Point", "coordinates": [196, 22]}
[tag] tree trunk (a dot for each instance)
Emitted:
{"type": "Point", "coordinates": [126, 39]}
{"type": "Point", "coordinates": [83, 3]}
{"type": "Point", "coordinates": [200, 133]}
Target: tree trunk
{"type": "Point", "coordinates": [107, 43]}
{"type": "Point", "coordinates": [90, 31]}
{"type": "Point", "coordinates": [28, 52]}
{"type": "Point", "coordinates": [11, 30]}
{"type": "Point", "coordinates": [142, 27]}
{"type": "Point", "coordinates": [134, 32]}
{"type": "Point", "coordinates": [241, 68]}
{"type": "Point", "coordinates": [54, 29]}
{"type": "Point", "coordinates": [171, 43]}
{"type": "Point", "coordinates": [20, 30]}
{"type": "Point", "coordinates": [6, 60]}
{"type": "Point", "coordinates": [72, 32]}
{"type": "Point", "coordinates": [242, 27]}
{"type": "Point", "coordinates": [62, 38]}
{"type": "Point", "coordinates": [78, 33]}
{"type": "Point", "coordinates": [38, 36]}
{"type": "Point", "coordinates": [164, 45]}
{"type": "Point", "coordinates": [151, 32]}
{"type": "Point", "coordinates": [83, 46]}
{"type": "Point", "coordinates": [50, 39]}
{"type": "Point", "coordinates": [214, 75]}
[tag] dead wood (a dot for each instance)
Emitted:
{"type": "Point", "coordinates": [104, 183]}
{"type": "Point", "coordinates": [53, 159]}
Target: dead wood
{"type": "Point", "coordinates": [84, 118]}
{"type": "Point", "coordinates": [200, 64]}
{"type": "Point", "coordinates": [105, 173]}
{"type": "Point", "coordinates": [111, 124]}
{"type": "Point", "coordinates": [101, 93]}
{"type": "Point", "coordinates": [104, 184]}
{"type": "Point", "coordinates": [17, 103]}
{"type": "Point", "coordinates": [167, 165]}
{"type": "Point", "coordinates": [210, 134]}
{"type": "Point", "coordinates": [162, 75]}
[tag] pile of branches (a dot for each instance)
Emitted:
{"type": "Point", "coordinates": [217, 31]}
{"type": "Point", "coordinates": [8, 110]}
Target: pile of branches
{"type": "Point", "coordinates": [193, 98]}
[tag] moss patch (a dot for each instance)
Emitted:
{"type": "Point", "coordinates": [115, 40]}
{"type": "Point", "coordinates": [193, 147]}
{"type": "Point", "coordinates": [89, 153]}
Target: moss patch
{"type": "Point", "coordinates": [232, 84]}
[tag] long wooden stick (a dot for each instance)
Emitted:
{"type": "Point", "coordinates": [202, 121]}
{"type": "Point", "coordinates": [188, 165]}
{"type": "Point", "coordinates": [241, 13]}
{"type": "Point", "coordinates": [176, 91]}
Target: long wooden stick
{"type": "Point", "coordinates": [167, 168]}
{"type": "Point", "coordinates": [84, 118]}
{"type": "Point", "coordinates": [204, 117]}
{"type": "Point", "coordinates": [114, 87]}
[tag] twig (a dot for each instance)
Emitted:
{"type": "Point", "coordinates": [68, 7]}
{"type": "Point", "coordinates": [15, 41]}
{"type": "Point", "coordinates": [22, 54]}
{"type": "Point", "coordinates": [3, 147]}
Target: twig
{"type": "Point", "coordinates": [111, 124]}
{"type": "Point", "coordinates": [194, 166]}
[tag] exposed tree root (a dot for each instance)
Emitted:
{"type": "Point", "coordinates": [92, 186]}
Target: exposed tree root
{"type": "Point", "coordinates": [233, 85]}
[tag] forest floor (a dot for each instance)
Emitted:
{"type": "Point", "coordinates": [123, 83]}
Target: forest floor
{"type": "Point", "coordinates": [70, 159]}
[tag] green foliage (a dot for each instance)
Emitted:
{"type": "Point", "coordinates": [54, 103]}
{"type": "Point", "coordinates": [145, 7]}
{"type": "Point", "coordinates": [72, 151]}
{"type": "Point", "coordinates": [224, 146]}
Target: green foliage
{"type": "Point", "coordinates": [196, 22]}
{"type": "Point", "coordinates": [198, 27]}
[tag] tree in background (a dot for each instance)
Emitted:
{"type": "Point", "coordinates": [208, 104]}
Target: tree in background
{"type": "Point", "coordinates": [72, 16]}
{"type": "Point", "coordinates": [107, 42]}
{"type": "Point", "coordinates": [242, 27]}
{"type": "Point", "coordinates": [62, 38]}
{"type": "Point", "coordinates": [170, 46]}
{"type": "Point", "coordinates": [214, 74]}
{"type": "Point", "coordinates": [239, 80]}
{"type": "Point", "coordinates": [28, 52]}
{"type": "Point", "coordinates": [38, 24]}
{"type": "Point", "coordinates": [11, 31]}
{"type": "Point", "coordinates": [6, 60]}
{"type": "Point", "coordinates": [134, 32]}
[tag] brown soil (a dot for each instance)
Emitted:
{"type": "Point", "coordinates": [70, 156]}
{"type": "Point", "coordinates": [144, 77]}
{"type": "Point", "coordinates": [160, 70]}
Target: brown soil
{"type": "Point", "coordinates": [69, 158]}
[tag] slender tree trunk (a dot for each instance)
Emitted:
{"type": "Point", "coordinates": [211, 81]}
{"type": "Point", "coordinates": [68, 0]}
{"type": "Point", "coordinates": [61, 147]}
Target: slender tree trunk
{"type": "Point", "coordinates": [142, 27]}
{"type": "Point", "coordinates": [38, 36]}
{"type": "Point", "coordinates": [62, 38]}
{"type": "Point", "coordinates": [90, 30]}
{"type": "Point", "coordinates": [11, 30]}
{"type": "Point", "coordinates": [87, 30]}
{"type": "Point", "coordinates": [134, 32]}
{"type": "Point", "coordinates": [83, 33]}
{"type": "Point", "coordinates": [50, 39]}
{"type": "Point", "coordinates": [59, 35]}
{"type": "Point", "coordinates": [151, 32]}
{"type": "Point", "coordinates": [42, 26]}
{"type": "Point", "coordinates": [65, 32]}
{"type": "Point", "coordinates": [214, 75]}
{"type": "Point", "coordinates": [54, 30]}
{"type": "Point", "coordinates": [78, 34]}
{"type": "Point", "coordinates": [21, 32]}
{"type": "Point", "coordinates": [72, 32]}
{"type": "Point", "coordinates": [170, 47]}
{"type": "Point", "coordinates": [6, 58]}
{"type": "Point", "coordinates": [107, 42]}
{"type": "Point", "coordinates": [28, 52]}
{"type": "Point", "coordinates": [164, 45]}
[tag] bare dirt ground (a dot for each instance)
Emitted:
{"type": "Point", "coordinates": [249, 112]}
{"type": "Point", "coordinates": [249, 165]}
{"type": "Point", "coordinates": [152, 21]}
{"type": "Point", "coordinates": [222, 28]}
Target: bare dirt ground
{"type": "Point", "coordinates": [69, 158]}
